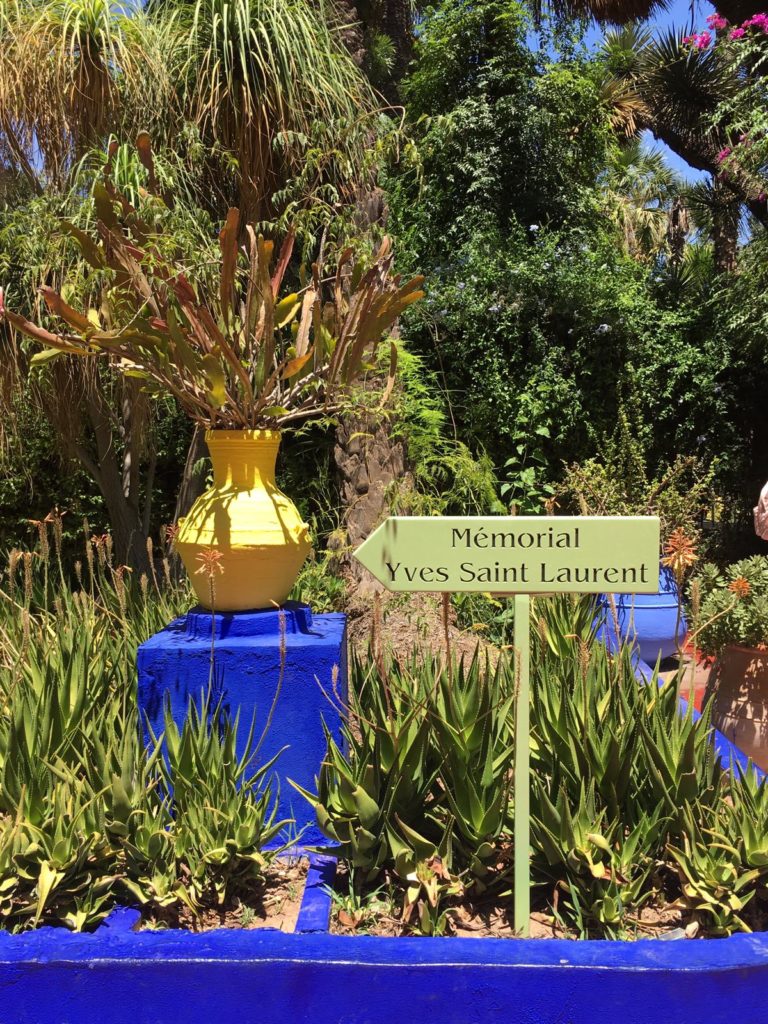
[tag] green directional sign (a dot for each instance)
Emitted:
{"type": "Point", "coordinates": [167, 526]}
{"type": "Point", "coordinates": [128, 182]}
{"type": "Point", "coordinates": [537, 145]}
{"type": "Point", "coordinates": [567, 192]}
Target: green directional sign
{"type": "Point", "coordinates": [515, 554]}
{"type": "Point", "coordinates": [520, 555]}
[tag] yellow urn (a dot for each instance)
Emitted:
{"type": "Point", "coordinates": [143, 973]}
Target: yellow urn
{"type": "Point", "coordinates": [256, 532]}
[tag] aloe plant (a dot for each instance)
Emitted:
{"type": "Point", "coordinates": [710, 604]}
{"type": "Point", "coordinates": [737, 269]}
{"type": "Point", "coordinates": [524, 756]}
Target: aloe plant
{"type": "Point", "coordinates": [629, 803]}
{"type": "Point", "coordinates": [87, 815]}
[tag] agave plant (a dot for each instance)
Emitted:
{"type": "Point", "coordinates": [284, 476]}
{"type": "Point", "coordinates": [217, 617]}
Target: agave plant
{"type": "Point", "coordinates": [87, 815]}
{"type": "Point", "coordinates": [242, 358]}
{"type": "Point", "coordinates": [219, 841]}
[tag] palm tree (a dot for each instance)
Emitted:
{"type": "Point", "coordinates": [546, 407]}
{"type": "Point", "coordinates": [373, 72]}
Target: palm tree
{"type": "Point", "coordinates": [657, 84]}
{"type": "Point", "coordinates": [642, 194]}
{"type": "Point", "coordinates": [717, 214]}
{"type": "Point", "coordinates": [71, 72]}
{"type": "Point", "coordinates": [266, 83]}
{"type": "Point", "coordinates": [271, 83]}
{"type": "Point", "coordinates": [380, 37]}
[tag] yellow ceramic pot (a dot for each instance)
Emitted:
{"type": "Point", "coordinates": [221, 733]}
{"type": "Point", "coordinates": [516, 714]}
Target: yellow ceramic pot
{"type": "Point", "coordinates": [257, 532]}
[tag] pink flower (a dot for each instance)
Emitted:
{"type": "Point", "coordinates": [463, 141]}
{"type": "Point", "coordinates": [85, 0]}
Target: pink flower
{"type": "Point", "coordinates": [724, 153]}
{"type": "Point", "coordinates": [737, 33]}
{"type": "Point", "coordinates": [717, 22]}
{"type": "Point", "coordinates": [700, 41]}
{"type": "Point", "coordinates": [757, 21]}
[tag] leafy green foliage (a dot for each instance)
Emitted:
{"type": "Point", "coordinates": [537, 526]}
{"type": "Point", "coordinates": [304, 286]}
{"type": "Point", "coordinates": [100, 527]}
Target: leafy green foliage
{"type": "Point", "coordinates": [447, 477]}
{"type": "Point", "coordinates": [618, 483]}
{"type": "Point", "coordinates": [87, 816]}
{"type": "Point", "coordinates": [560, 265]}
{"type": "Point", "coordinates": [504, 130]}
{"type": "Point", "coordinates": [525, 491]}
{"type": "Point", "coordinates": [629, 804]}
{"type": "Point", "coordinates": [733, 605]}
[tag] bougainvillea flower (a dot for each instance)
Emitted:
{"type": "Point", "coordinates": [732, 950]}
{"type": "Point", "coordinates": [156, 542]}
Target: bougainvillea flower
{"type": "Point", "coordinates": [699, 40]}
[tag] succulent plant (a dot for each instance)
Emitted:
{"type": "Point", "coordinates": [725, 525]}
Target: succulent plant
{"type": "Point", "coordinates": [235, 357]}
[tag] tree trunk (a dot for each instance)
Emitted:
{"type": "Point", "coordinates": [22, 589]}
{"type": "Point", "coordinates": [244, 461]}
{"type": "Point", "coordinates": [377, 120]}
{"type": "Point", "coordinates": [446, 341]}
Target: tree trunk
{"type": "Point", "coordinates": [397, 22]}
{"type": "Point", "coordinates": [193, 479]}
{"type": "Point", "coordinates": [360, 19]}
{"type": "Point", "coordinates": [118, 479]}
{"type": "Point", "coordinates": [108, 445]}
{"type": "Point", "coordinates": [368, 461]}
{"type": "Point", "coordinates": [726, 215]}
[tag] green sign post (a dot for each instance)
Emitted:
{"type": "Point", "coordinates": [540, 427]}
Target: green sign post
{"type": "Point", "coordinates": [520, 556]}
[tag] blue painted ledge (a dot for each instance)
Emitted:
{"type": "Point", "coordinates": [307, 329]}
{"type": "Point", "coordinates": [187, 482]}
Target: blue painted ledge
{"type": "Point", "coordinates": [120, 977]}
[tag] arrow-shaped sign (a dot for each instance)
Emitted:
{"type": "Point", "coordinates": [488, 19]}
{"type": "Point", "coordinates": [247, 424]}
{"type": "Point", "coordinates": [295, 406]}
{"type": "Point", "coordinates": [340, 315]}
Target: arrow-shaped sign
{"type": "Point", "coordinates": [515, 554]}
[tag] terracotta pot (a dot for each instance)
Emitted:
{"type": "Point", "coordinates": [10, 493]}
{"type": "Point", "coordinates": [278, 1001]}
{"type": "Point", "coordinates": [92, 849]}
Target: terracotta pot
{"type": "Point", "coordinates": [738, 686]}
{"type": "Point", "coordinates": [257, 532]}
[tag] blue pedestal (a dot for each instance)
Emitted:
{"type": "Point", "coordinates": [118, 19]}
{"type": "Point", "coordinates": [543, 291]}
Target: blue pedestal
{"type": "Point", "coordinates": [246, 672]}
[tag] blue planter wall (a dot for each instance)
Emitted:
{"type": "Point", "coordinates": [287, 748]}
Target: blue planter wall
{"type": "Point", "coordinates": [118, 977]}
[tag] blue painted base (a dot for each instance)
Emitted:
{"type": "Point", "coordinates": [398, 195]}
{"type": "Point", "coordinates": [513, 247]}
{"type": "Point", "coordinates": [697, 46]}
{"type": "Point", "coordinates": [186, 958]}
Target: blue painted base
{"type": "Point", "coordinates": [246, 674]}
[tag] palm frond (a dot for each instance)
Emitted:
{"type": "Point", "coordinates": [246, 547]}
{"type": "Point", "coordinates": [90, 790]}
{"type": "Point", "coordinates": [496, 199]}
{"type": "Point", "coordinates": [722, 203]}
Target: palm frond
{"type": "Point", "coordinates": [621, 55]}
{"type": "Point", "coordinates": [683, 85]}
{"type": "Point", "coordinates": [261, 77]}
{"type": "Point", "coordinates": [71, 70]}
{"type": "Point", "coordinates": [696, 268]}
{"type": "Point", "coordinates": [641, 191]}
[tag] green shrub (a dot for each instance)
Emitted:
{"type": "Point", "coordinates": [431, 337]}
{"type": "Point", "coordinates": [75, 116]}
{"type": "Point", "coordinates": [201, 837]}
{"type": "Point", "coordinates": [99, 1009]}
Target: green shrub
{"type": "Point", "coordinates": [733, 605]}
{"type": "Point", "coordinates": [629, 803]}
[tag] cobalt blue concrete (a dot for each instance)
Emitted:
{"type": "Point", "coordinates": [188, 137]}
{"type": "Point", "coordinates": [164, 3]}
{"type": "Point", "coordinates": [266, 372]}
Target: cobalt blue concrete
{"type": "Point", "coordinates": [315, 909]}
{"type": "Point", "coordinates": [117, 976]}
{"type": "Point", "coordinates": [175, 664]}
{"type": "Point", "coordinates": [647, 619]}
